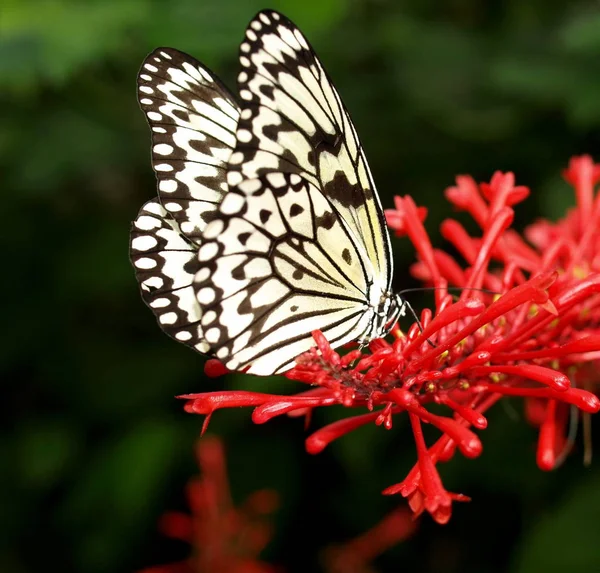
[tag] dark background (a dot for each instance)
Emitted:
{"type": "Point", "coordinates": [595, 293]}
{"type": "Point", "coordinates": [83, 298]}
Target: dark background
{"type": "Point", "coordinates": [95, 447]}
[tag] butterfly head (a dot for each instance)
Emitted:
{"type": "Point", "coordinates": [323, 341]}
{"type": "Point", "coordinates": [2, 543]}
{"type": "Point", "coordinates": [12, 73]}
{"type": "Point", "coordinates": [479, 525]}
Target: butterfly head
{"type": "Point", "coordinates": [385, 315]}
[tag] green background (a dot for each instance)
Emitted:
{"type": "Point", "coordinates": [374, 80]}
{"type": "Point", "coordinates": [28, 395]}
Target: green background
{"type": "Point", "coordinates": [95, 447]}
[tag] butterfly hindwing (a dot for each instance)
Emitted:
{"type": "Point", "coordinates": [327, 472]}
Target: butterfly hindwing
{"type": "Point", "coordinates": [165, 263]}
{"type": "Point", "coordinates": [193, 120]}
{"type": "Point", "coordinates": [266, 282]}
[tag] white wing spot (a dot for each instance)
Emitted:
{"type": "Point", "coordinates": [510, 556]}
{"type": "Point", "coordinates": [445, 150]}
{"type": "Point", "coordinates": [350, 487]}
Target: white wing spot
{"type": "Point", "coordinates": [160, 303]}
{"type": "Point", "coordinates": [251, 35]}
{"type": "Point", "coordinates": [202, 275]}
{"type": "Point", "coordinates": [155, 207]}
{"type": "Point", "coordinates": [233, 178]}
{"type": "Point", "coordinates": [154, 116]}
{"type": "Point", "coordinates": [245, 47]}
{"type": "Point", "coordinates": [183, 335]}
{"type": "Point", "coordinates": [146, 101]}
{"type": "Point", "coordinates": [246, 113]}
{"type": "Point", "coordinates": [158, 129]}
{"type": "Point", "coordinates": [242, 77]}
{"type": "Point", "coordinates": [244, 94]}
{"type": "Point", "coordinates": [212, 231]}
{"type": "Point", "coordinates": [146, 223]}
{"type": "Point", "coordinates": [250, 185]}
{"type": "Point", "coordinates": [144, 243]}
{"type": "Point", "coordinates": [167, 185]}
{"type": "Point", "coordinates": [295, 179]}
{"type": "Point", "coordinates": [146, 89]}
{"type": "Point", "coordinates": [173, 207]}
{"type": "Point", "coordinates": [145, 77]}
{"type": "Point", "coordinates": [163, 167]}
{"type": "Point", "coordinates": [187, 227]}
{"type": "Point", "coordinates": [256, 25]}
{"type": "Point", "coordinates": [208, 251]}
{"type": "Point", "coordinates": [236, 158]}
{"type": "Point", "coordinates": [265, 18]}
{"type": "Point", "coordinates": [244, 61]}
{"type": "Point", "coordinates": [151, 68]}
{"type": "Point", "coordinates": [206, 295]}
{"type": "Point", "coordinates": [244, 135]}
{"type": "Point", "coordinates": [168, 318]}
{"type": "Point", "coordinates": [276, 180]}
{"type": "Point", "coordinates": [153, 283]}
{"type": "Point", "coordinates": [163, 149]}
{"type": "Point", "coordinates": [209, 317]}
{"type": "Point", "coordinates": [232, 203]}
{"type": "Point", "coordinates": [165, 55]}
{"type": "Point", "coordinates": [145, 263]}
{"type": "Point", "coordinates": [212, 335]}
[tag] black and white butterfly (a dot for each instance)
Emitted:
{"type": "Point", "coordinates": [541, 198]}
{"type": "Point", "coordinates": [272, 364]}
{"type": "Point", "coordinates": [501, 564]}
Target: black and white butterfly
{"type": "Point", "coordinates": [297, 243]}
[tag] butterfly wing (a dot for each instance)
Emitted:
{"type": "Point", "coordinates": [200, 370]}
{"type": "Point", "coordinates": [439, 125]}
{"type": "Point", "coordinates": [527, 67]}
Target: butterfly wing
{"type": "Point", "coordinates": [294, 121]}
{"type": "Point", "coordinates": [301, 231]}
{"type": "Point", "coordinates": [165, 261]}
{"type": "Point", "coordinates": [278, 263]}
{"type": "Point", "coordinates": [193, 119]}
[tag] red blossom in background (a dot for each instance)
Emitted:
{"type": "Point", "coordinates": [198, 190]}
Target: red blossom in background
{"type": "Point", "coordinates": [537, 338]}
{"type": "Point", "coordinates": [225, 539]}
{"type": "Point", "coordinates": [356, 555]}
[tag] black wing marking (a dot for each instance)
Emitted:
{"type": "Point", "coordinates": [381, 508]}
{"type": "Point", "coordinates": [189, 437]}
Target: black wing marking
{"type": "Point", "coordinates": [193, 119]}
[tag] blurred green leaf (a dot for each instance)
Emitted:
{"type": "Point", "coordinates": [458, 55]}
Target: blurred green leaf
{"type": "Point", "coordinates": [564, 538]}
{"type": "Point", "coordinates": [581, 32]}
{"type": "Point", "coordinates": [117, 492]}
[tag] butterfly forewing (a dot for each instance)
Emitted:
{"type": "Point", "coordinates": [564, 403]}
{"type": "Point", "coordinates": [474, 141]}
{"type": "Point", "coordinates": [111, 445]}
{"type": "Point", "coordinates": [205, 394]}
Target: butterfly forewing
{"type": "Point", "coordinates": [193, 119]}
{"type": "Point", "coordinates": [293, 121]}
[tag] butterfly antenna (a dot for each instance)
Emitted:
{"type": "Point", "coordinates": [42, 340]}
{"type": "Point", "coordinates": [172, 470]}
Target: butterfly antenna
{"type": "Point", "coordinates": [423, 289]}
{"type": "Point", "coordinates": [412, 311]}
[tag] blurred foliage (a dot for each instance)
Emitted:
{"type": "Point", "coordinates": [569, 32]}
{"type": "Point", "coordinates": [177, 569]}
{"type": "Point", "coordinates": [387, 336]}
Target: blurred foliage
{"type": "Point", "coordinates": [95, 447]}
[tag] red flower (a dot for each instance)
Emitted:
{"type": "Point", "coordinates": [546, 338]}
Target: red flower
{"type": "Point", "coordinates": [356, 555]}
{"type": "Point", "coordinates": [225, 539]}
{"type": "Point", "coordinates": [535, 338]}
{"type": "Point", "coordinates": [571, 248]}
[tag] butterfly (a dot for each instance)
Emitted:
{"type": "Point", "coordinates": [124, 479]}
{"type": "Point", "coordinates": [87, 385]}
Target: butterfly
{"type": "Point", "coordinates": [285, 233]}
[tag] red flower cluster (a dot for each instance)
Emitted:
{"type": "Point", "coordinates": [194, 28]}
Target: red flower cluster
{"type": "Point", "coordinates": [537, 337]}
{"type": "Point", "coordinates": [225, 539]}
